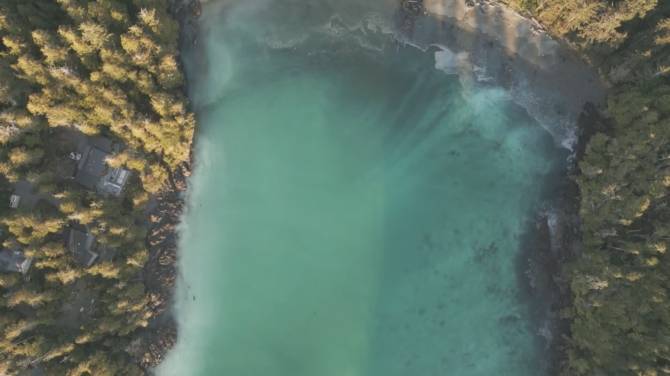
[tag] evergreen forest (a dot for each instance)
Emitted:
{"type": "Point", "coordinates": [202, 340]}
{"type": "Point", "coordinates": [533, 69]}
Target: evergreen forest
{"type": "Point", "coordinates": [73, 70]}
{"type": "Point", "coordinates": [620, 279]}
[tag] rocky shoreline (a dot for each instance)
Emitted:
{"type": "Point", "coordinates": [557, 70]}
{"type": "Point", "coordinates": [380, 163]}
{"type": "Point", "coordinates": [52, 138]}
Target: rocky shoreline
{"type": "Point", "coordinates": [552, 241]}
{"type": "Point", "coordinates": [161, 270]}
{"type": "Point", "coordinates": [486, 43]}
{"type": "Point", "coordinates": [553, 237]}
{"type": "Point", "coordinates": [164, 215]}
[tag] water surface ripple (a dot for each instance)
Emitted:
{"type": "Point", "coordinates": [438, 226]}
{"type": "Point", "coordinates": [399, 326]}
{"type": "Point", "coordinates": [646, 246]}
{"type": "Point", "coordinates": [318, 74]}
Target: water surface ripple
{"type": "Point", "coordinates": [353, 212]}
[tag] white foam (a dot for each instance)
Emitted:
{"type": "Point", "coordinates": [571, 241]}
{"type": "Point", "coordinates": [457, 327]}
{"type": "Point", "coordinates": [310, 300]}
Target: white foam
{"type": "Point", "coordinates": [452, 63]}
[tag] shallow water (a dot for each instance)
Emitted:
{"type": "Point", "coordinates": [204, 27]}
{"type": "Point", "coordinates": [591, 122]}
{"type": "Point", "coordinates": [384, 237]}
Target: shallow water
{"type": "Point", "coordinates": [354, 211]}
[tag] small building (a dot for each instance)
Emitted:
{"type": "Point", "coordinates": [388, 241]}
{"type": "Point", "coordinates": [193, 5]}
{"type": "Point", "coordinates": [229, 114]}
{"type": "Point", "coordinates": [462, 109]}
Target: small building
{"type": "Point", "coordinates": [81, 246]}
{"type": "Point", "coordinates": [114, 181]}
{"type": "Point", "coordinates": [24, 196]}
{"type": "Point", "coordinates": [14, 201]}
{"type": "Point", "coordinates": [93, 171]}
{"type": "Point", "coordinates": [14, 262]}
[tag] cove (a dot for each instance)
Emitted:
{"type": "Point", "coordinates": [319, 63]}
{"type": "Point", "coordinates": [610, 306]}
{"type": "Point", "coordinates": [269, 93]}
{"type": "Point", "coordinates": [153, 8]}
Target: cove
{"type": "Point", "coordinates": [354, 211]}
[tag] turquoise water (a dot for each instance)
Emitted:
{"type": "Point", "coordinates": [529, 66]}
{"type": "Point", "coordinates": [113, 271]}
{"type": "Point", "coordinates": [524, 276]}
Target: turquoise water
{"type": "Point", "coordinates": [353, 212]}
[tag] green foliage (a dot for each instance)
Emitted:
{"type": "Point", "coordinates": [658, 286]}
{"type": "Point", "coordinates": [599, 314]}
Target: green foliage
{"type": "Point", "coordinates": [101, 364]}
{"type": "Point", "coordinates": [98, 67]}
{"type": "Point", "coordinates": [620, 283]}
{"type": "Point", "coordinates": [626, 40]}
{"type": "Point", "coordinates": [590, 22]}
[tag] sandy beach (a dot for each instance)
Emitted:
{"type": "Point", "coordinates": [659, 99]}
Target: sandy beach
{"type": "Point", "coordinates": [489, 44]}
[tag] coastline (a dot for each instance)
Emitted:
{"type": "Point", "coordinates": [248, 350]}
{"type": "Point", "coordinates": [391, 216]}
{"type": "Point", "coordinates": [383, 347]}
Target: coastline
{"type": "Point", "coordinates": [161, 269]}
{"type": "Point", "coordinates": [491, 61]}
{"type": "Point", "coordinates": [164, 216]}
{"type": "Point", "coordinates": [489, 43]}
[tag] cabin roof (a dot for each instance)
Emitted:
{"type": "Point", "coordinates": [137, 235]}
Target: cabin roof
{"type": "Point", "coordinates": [81, 245]}
{"type": "Point", "coordinates": [92, 168]}
{"type": "Point", "coordinates": [14, 261]}
{"type": "Point", "coordinates": [94, 173]}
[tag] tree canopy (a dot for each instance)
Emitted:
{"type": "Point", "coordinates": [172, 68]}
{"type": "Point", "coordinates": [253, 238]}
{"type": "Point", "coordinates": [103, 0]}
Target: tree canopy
{"type": "Point", "coordinates": [620, 282]}
{"type": "Point", "coordinates": [93, 68]}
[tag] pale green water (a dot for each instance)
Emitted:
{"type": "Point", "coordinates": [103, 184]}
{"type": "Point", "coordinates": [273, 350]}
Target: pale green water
{"type": "Point", "coordinates": [353, 213]}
